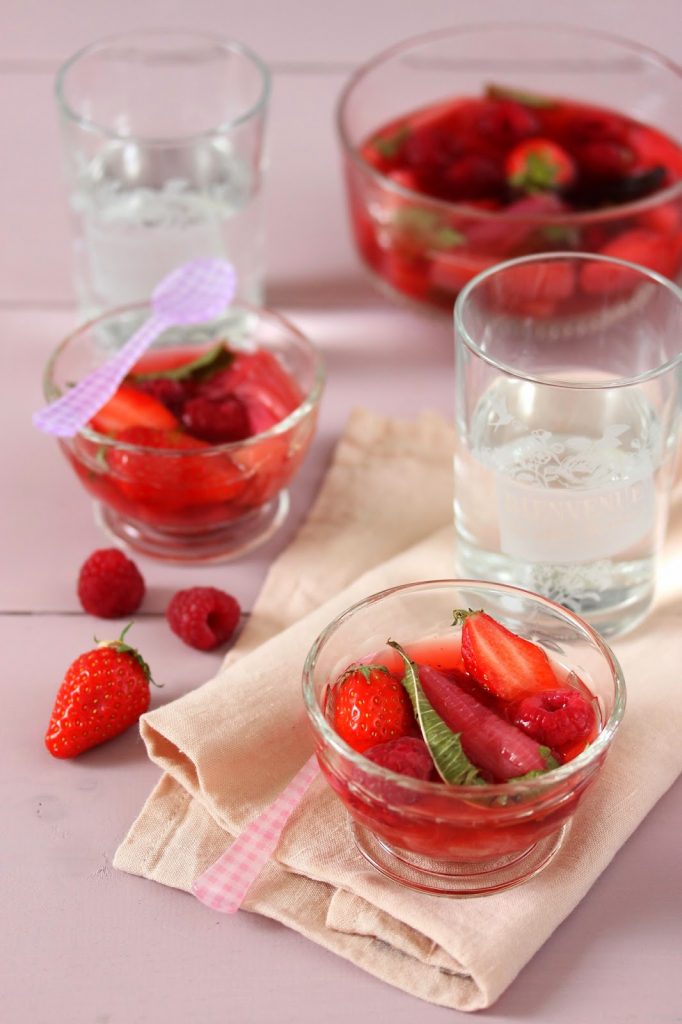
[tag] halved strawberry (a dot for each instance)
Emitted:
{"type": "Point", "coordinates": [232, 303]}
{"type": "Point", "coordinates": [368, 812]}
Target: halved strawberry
{"type": "Point", "coordinates": [501, 661]}
{"type": "Point", "coordinates": [543, 282]}
{"type": "Point", "coordinates": [162, 474]}
{"type": "Point", "coordinates": [130, 407]}
{"type": "Point", "coordinates": [452, 270]}
{"type": "Point", "coordinates": [640, 246]}
{"type": "Point", "coordinates": [539, 165]}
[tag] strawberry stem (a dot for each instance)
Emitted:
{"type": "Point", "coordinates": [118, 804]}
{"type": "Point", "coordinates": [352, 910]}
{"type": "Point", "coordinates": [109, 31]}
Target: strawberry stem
{"type": "Point", "coordinates": [124, 648]}
{"type": "Point", "coordinates": [459, 615]}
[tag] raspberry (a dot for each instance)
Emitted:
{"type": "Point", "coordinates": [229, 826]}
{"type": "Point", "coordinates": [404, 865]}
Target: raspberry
{"type": "Point", "coordinates": [169, 392]}
{"type": "Point", "coordinates": [472, 177]}
{"type": "Point", "coordinates": [218, 421]}
{"type": "Point", "coordinates": [110, 585]}
{"type": "Point", "coordinates": [407, 755]}
{"type": "Point", "coordinates": [204, 617]}
{"type": "Point", "coordinates": [555, 717]}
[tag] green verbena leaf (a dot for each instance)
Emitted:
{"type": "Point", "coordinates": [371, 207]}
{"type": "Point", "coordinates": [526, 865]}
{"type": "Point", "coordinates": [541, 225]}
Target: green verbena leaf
{"type": "Point", "coordinates": [444, 745]}
{"type": "Point", "coordinates": [390, 145]}
{"type": "Point", "coordinates": [526, 99]}
{"type": "Point", "coordinates": [216, 358]}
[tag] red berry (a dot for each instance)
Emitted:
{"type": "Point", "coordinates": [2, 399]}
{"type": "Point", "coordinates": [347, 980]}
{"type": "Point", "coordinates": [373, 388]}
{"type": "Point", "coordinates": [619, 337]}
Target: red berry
{"type": "Point", "coordinates": [110, 585]}
{"type": "Point", "coordinates": [605, 159]}
{"type": "Point", "coordinates": [167, 390]}
{"type": "Point", "coordinates": [539, 165]}
{"type": "Point", "coordinates": [130, 407]}
{"type": "Point", "coordinates": [472, 177]}
{"type": "Point", "coordinates": [507, 121]}
{"type": "Point", "coordinates": [556, 718]}
{"type": "Point", "coordinates": [154, 477]}
{"type": "Point", "coordinates": [103, 692]}
{"type": "Point", "coordinates": [502, 662]}
{"type": "Point", "coordinates": [407, 755]}
{"type": "Point", "coordinates": [542, 282]}
{"type": "Point", "coordinates": [646, 248]}
{"type": "Point", "coordinates": [220, 421]}
{"type": "Point", "coordinates": [368, 706]}
{"type": "Point", "coordinates": [204, 617]}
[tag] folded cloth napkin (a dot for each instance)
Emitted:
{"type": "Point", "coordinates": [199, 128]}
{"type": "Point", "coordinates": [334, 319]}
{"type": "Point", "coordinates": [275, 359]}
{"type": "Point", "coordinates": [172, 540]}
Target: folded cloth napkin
{"type": "Point", "coordinates": [228, 748]}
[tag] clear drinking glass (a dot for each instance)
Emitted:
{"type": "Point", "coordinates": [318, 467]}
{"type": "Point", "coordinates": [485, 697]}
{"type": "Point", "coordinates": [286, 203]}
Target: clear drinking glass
{"type": "Point", "coordinates": [568, 421]}
{"type": "Point", "coordinates": [163, 144]}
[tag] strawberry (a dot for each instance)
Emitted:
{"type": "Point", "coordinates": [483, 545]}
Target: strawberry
{"type": "Point", "coordinates": [452, 270]}
{"type": "Point", "coordinates": [646, 248]}
{"type": "Point", "coordinates": [103, 692]}
{"type": "Point", "coordinates": [539, 165]}
{"type": "Point", "coordinates": [130, 407]}
{"type": "Point", "coordinates": [162, 473]}
{"type": "Point", "coordinates": [495, 746]}
{"type": "Point", "coordinates": [543, 282]}
{"type": "Point", "coordinates": [500, 661]}
{"type": "Point", "coordinates": [369, 706]}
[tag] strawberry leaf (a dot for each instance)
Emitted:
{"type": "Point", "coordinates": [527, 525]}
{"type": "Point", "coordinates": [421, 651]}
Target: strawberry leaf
{"type": "Point", "coordinates": [444, 745]}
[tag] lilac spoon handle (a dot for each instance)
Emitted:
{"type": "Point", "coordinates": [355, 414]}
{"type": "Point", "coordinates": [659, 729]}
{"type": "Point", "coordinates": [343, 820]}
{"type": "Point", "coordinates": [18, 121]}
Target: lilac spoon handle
{"type": "Point", "coordinates": [65, 416]}
{"type": "Point", "coordinates": [224, 885]}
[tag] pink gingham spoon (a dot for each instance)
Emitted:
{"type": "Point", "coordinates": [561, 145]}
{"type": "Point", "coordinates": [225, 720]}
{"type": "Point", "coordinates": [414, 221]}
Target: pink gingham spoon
{"type": "Point", "coordinates": [224, 885]}
{"type": "Point", "coordinates": [192, 293]}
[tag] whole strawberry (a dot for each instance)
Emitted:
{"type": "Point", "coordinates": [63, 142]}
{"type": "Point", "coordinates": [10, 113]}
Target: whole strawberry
{"type": "Point", "coordinates": [368, 706]}
{"type": "Point", "coordinates": [103, 692]}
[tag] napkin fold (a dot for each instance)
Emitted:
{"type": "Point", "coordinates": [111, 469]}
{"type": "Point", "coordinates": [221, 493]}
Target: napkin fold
{"type": "Point", "coordinates": [227, 749]}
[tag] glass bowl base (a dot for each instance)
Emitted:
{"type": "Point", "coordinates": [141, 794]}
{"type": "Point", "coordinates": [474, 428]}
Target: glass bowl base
{"type": "Point", "coordinates": [453, 879]}
{"type": "Point", "coordinates": [220, 544]}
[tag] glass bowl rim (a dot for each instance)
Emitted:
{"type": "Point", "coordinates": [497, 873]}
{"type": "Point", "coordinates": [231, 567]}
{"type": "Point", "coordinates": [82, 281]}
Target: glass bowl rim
{"type": "Point", "coordinates": [472, 212]}
{"type": "Point", "coordinates": [310, 400]}
{"type": "Point", "coordinates": [224, 42]}
{"type": "Point", "coordinates": [541, 784]}
{"type": "Point", "coordinates": [462, 333]}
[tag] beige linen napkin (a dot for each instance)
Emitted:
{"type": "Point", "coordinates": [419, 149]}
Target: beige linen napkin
{"type": "Point", "coordinates": [229, 747]}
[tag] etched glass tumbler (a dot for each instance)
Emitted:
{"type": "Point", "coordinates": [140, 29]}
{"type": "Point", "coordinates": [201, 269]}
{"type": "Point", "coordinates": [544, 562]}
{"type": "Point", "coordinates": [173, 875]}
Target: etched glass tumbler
{"type": "Point", "coordinates": [568, 420]}
{"type": "Point", "coordinates": [163, 144]}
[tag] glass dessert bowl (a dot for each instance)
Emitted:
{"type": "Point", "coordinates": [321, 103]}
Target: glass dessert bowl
{"type": "Point", "coordinates": [458, 157]}
{"type": "Point", "coordinates": [191, 458]}
{"type": "Point", "coordinates": [394, 720]}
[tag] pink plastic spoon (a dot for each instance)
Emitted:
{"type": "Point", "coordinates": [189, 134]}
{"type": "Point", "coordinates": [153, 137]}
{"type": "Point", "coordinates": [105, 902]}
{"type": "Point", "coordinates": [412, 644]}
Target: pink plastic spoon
{"type": "Point", "coordinates": [192, 293]}
{"type": "Point", "coordinates": [224, 885]}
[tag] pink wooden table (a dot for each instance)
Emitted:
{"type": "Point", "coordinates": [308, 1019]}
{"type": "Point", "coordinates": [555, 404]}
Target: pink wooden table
{"type": "Point", "coordinates": [81, 943]}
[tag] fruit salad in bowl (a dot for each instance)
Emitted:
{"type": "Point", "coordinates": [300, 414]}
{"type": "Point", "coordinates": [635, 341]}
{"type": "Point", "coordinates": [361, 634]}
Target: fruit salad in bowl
{"type": "Point", "coordinates": [461, 723]}
{"type": "Point", "coordinates": [458, 157]}
{"type": "Point", "coordinates": [191, 458]}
